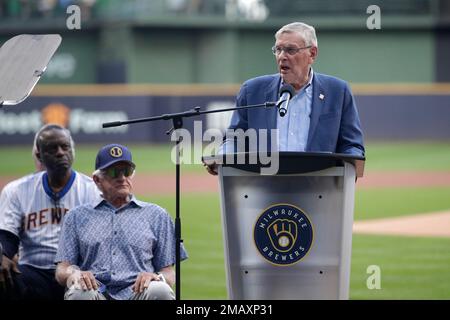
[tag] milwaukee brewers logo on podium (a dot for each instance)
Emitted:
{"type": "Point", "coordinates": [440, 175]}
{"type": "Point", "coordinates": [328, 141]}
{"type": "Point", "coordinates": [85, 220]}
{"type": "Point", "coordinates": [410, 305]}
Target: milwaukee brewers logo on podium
{"type": "Point", "coordinates": [283, 234]}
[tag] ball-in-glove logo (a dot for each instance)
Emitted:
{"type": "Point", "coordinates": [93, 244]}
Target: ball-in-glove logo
{"type": "Point", "coordinates": [283, 234]}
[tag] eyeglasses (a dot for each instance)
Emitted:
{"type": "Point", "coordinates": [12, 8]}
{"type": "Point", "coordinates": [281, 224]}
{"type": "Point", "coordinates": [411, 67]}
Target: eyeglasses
{"type": "Point", "coordinates": [289, 50]}
{"type": "Point", "coordinates": [114, 172]}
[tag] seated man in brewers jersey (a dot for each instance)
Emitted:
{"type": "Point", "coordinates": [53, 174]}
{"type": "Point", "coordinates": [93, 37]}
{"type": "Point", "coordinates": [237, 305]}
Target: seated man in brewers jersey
{"type": "Point", "coordinates": [12, 264]}
{"type": "Point", "coordinates": [31, 213]}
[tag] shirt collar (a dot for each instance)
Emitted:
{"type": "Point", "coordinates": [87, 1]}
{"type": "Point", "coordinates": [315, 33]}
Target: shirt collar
{"type": "Point", "coordinates": [311, 76]}
{"type": "Point", "coordinates": [133, 201]}
{"type": "Point", "coordinates": [308, 86]}
{"type": "Point", "coordinates": [56, 196]}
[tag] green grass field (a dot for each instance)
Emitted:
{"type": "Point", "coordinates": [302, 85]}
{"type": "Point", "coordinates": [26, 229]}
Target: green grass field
{"type": "Point", "coordinates": [411, 268]}
{"type": "Point", "coordinates": [148, 158]}
{"type": "Point", "coordinates": [389, 202]}
{"type": "Point", "coordinates": [411, 156]}
{"type": "Point", "coordinates": [422, 156]}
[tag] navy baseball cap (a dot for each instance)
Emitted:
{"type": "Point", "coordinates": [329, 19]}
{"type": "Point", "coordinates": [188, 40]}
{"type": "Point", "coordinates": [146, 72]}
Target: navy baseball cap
{"type": "Point", "coordinates": [112, 153]}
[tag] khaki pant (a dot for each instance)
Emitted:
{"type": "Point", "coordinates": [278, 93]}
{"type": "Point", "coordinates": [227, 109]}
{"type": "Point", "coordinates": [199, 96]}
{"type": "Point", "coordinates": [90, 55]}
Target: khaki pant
{"type": "Point", "coordinates": [157, 290]}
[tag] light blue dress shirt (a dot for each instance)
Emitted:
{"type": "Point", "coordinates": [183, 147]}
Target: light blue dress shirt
{"type": "Point", "coordinates": [293, 128]}
{"type": "Point", "coordinates": [117, 244]}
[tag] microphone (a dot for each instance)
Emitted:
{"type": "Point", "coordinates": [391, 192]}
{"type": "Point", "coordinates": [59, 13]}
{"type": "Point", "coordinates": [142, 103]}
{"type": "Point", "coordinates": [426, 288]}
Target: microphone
{"type": "Point", "coordinates": [286, 93]}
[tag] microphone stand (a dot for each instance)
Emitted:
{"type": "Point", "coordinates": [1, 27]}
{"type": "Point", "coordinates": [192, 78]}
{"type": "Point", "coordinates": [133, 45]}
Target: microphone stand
{"type": "Point", "coordinates": [177, 122]}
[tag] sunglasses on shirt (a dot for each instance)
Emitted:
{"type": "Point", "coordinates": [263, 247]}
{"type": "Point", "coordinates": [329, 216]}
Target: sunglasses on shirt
{"type": "Point", "coordinates": [114, 172]}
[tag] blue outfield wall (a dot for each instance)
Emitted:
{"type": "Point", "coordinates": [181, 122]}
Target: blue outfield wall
{"type": "Point", "coordinates": [384, 117]}
{"type": "Point", "coordinates": [405, 117]}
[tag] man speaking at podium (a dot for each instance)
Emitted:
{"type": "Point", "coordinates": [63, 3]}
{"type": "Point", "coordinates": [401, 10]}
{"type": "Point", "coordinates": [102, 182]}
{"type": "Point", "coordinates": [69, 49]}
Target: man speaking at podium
{"type": "Point", "coordinates": [315, 112]}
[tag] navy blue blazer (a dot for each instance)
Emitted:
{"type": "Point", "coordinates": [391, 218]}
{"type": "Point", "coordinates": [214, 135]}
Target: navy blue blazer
{"type": "Point", "coordinates": [335, 125]}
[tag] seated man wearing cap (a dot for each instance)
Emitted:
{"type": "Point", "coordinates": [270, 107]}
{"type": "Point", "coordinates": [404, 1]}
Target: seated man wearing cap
{"type": "Point", "coordinates": [119, 248]}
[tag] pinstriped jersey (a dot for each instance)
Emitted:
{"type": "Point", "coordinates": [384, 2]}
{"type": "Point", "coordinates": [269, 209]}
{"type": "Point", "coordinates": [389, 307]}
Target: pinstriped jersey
{"type": "Point", "coordinates": [33, 212]}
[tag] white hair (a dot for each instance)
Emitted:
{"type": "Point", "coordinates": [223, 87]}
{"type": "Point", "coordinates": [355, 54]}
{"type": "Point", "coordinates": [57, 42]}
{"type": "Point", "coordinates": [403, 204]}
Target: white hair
{"type": "Point", "coordinates": [306, 32]}
{"type": "Point", "coordinates": [98, 173]}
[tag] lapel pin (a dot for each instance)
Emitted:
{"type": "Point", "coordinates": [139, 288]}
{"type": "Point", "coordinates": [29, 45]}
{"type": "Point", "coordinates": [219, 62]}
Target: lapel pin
{"type": "Point", "coordinates": [321, 96]}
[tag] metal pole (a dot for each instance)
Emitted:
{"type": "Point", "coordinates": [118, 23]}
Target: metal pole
{"type": "Point", "coordinates": [178, 240]}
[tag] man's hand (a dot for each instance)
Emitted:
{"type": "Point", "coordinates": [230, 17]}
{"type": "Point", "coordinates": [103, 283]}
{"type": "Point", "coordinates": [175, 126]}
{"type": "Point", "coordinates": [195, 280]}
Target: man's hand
{"type": "Point", "coordinates": [211, 168]}
{"type": "Point", "coordinates": [143, 281]}
{"type": "Point", "coordinates": [8, 267]}
{"type": "Point", "coordinates": [82, 279]}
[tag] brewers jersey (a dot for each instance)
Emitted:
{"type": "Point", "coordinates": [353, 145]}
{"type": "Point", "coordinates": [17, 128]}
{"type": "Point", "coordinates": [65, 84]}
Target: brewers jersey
{"type": "Point", "coordinates": [33, 212]}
